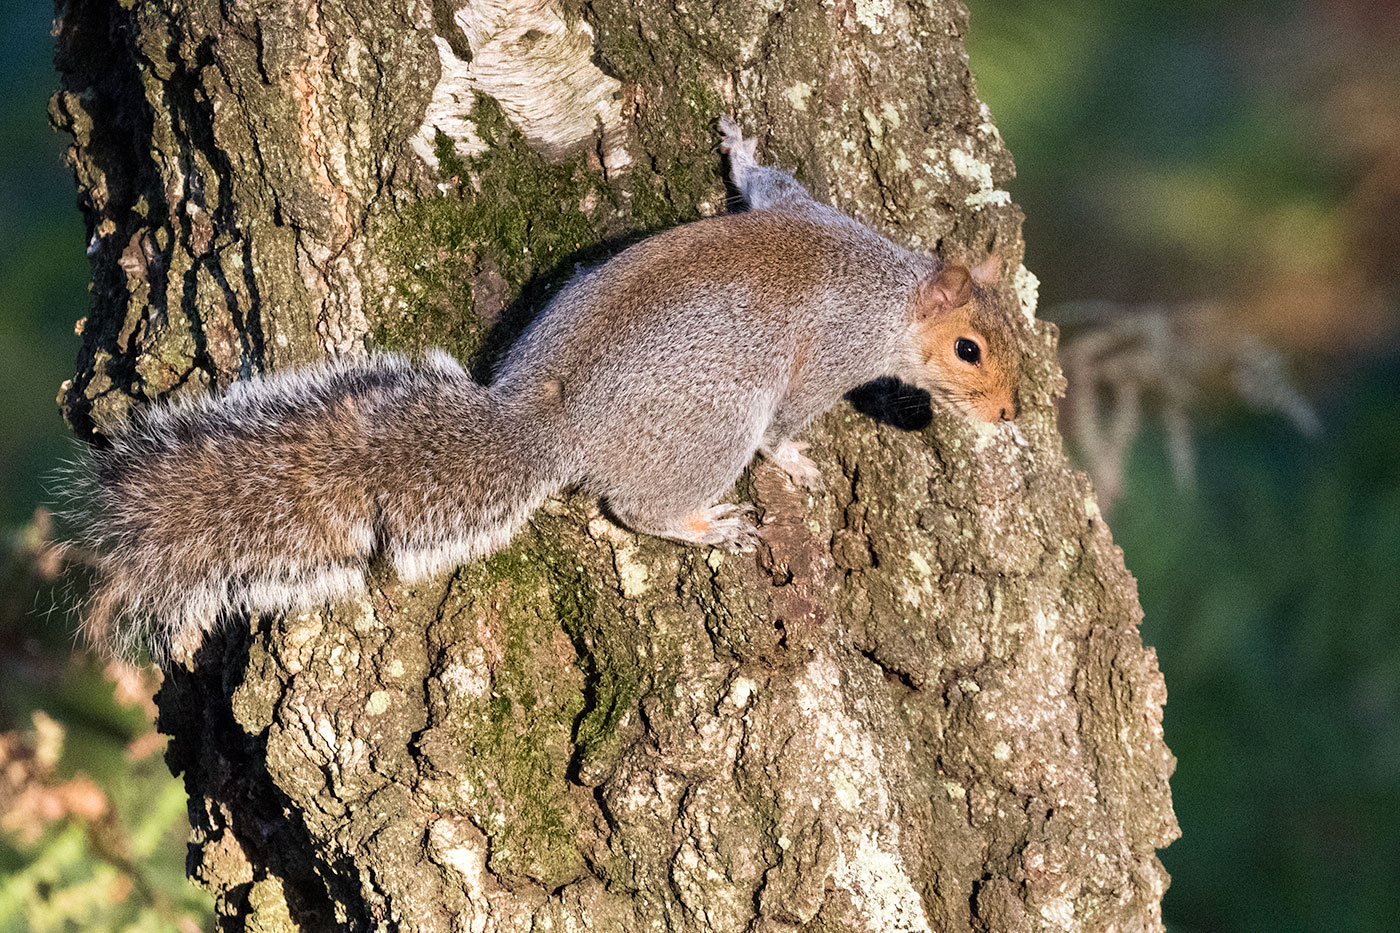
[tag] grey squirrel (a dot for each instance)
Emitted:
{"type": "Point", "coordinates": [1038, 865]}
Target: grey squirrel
{"type": "Point", "coordinates": [649, 381]}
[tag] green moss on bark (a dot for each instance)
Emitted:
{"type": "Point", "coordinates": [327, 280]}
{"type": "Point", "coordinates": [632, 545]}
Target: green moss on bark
{"type": "Point", "coordinates": [508, 225]}
{"type": "Point", "coordinates": [513, 738]}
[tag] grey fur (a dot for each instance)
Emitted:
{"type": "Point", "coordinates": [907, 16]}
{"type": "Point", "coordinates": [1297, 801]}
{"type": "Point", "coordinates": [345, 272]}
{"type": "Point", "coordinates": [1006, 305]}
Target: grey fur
{"type": "Point", "coordinates": [650, 381]}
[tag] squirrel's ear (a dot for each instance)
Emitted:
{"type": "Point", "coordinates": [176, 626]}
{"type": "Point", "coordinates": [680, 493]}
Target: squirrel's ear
{"type": "Point", "coordinates": [950, 288]}
{"type": "Point", "coordinates": [988, 271]}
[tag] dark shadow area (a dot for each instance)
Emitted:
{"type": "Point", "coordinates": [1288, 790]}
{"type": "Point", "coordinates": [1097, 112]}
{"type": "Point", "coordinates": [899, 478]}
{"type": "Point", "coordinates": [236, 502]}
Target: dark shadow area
{"type": "Point", "coordinates": [98, 68]}
{"type": "Point", "coordinates": [895, 403]}
{"type": "Point", "coordinates": [228, 767]}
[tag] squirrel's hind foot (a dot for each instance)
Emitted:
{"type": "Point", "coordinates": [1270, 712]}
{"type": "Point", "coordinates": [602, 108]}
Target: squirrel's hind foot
{"type": "Point", "coordinates": [722, 525]}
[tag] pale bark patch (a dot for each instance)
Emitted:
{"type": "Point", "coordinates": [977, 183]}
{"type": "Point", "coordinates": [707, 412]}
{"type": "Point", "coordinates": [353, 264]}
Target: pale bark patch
{"type": "Point", "coordinates": [538, 66]}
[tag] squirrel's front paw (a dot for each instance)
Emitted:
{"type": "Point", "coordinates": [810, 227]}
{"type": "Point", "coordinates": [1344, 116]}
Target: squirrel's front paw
{"type": "Point", "coordinates": [723, 525]}
{"type": "Point", "coordinates": [789, 458]}
{"type": "Point", "coordinates": [733, 143]}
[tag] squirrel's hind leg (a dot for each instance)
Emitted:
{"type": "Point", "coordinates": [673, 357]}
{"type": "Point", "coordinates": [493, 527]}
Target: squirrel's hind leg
{"type": "Point", "coordinates": [723, 525]}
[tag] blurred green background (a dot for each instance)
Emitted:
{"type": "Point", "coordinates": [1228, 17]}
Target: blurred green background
{"type": "Point", "coordinates": [92, 825]}
{"type": "Point", "coordinates": [1232, 172]}
{"type": "Point", "coordinates": [1226, 175]}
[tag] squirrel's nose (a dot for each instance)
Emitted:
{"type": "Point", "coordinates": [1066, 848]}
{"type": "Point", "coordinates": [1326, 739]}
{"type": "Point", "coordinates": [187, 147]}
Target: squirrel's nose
{"type": "Point", "coordinates": [1006, 415]}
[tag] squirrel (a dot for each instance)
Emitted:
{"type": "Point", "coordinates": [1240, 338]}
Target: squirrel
{"type": "Point", "coordinates": [649, 381]}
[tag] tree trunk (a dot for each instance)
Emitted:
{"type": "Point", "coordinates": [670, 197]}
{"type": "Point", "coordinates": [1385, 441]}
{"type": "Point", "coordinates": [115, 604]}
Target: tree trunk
{"type": "Point", "coordinates": [923, 704]}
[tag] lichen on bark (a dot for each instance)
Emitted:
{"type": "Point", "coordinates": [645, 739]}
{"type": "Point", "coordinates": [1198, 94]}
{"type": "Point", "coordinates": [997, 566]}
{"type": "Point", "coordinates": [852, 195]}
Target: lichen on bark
{"type": "Point", "coordinates": [921, 704]}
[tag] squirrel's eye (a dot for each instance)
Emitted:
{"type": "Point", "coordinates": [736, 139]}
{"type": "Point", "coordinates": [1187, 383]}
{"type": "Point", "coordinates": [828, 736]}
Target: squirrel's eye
{"type": "Point", "coordinates": [968, 351]}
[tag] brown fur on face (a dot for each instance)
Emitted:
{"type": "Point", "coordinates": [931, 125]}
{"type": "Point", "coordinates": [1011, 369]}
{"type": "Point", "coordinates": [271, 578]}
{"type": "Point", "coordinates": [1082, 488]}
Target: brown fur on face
{"type": "Point", "coordinates": [961, 306]}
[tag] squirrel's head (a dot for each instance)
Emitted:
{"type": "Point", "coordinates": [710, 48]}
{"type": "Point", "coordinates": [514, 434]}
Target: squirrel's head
{"type": "Point", "coordinates": [967, 354]}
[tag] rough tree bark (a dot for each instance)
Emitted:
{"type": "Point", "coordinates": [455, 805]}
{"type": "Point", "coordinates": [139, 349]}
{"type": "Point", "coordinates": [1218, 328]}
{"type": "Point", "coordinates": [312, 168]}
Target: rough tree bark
{"type": "Point", "coordinates": [923, 704]}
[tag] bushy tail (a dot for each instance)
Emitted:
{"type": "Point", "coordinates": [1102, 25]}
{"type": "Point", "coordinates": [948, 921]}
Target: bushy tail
{"type": "Point", "coordinates": [278, 494]}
